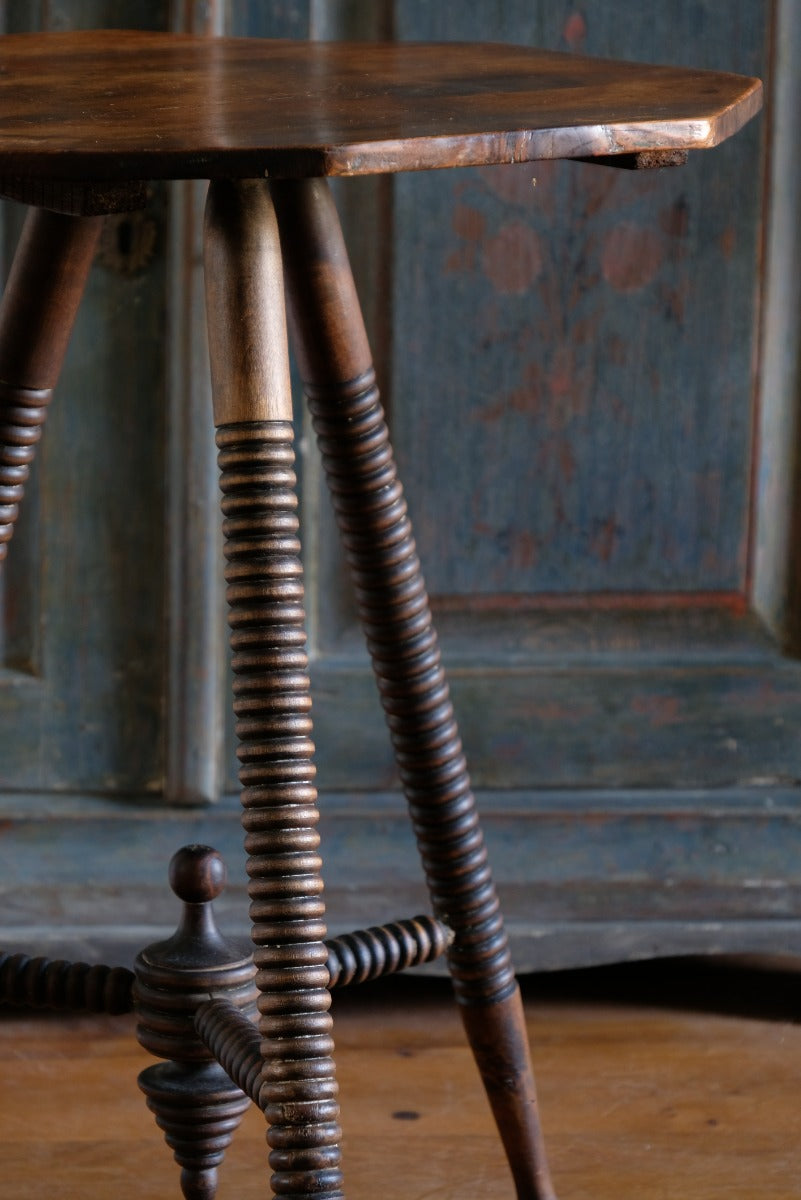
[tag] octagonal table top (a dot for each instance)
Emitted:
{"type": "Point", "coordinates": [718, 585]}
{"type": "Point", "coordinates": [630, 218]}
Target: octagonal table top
{"type": "Point", "coordinates": [130, 105]}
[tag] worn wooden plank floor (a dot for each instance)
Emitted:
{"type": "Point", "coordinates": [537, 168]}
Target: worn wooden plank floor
{"type": "Point", "coordinates": [646, 1093]}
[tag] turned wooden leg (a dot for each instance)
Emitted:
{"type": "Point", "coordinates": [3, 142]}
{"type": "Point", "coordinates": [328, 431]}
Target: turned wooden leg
{"type": "Point", "coordinates": [192, 1097]}
{"type": "Point", "coordinates": [336, 366]}
{"type": "Point", "coordinates": [37, 313]}
{"type": "Point", "coordinates": [253, 414]}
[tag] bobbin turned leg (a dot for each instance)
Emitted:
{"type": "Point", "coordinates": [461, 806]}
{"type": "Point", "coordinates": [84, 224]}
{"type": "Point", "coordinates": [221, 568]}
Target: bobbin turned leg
{"type": "Point", "coordinates": [253, 413]}
{"type": "Point", "coordinates": [339, 379]}
{"type": "Point", "coordinates": [38, 309]}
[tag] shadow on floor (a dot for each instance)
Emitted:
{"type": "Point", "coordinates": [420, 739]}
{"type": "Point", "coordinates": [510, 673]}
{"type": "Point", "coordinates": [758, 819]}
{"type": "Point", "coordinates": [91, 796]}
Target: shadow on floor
{"type": "Point", "coordinates": [768, 989]}
{"type": "Point", "coordinates": [765, 989]}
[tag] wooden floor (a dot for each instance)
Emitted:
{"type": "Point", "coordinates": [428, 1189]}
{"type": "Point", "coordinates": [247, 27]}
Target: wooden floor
{"type": "Point", "coordinates": [677, 1080]}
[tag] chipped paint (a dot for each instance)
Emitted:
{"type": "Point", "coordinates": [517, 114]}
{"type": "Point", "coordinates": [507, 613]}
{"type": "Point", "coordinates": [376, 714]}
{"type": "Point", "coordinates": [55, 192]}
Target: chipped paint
{"type": "Point", "coordinates": [631, 257]}
{"type": "Point", "coordinates": [512, 258]}
{"type": "Point", "coordinates": [575, 30]}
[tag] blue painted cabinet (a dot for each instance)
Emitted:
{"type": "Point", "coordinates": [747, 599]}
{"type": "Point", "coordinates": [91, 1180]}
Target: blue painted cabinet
{"type": "Point", "coordinates": [591, 377]}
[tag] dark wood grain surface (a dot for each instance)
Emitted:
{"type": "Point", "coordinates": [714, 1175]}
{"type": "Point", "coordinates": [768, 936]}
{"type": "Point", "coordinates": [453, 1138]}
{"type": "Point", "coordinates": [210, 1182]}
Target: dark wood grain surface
{"type": "Point", "coordinates": [141, 105]}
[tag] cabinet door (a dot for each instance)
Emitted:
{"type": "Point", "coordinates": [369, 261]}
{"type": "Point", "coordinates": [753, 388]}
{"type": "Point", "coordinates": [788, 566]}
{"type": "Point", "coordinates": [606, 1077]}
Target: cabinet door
{"type": "Point", "coordinates": [592, 384]}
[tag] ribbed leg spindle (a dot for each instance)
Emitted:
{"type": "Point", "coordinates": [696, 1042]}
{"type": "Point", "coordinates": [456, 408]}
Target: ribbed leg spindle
{"type": "Point", "coordinates": [392, 600]}
{"type": "Point", "coordinates": [74, 987]}
{"type": "Point", "coordinates": [22, 416]}
{"type": "Point", "coordinates": [339, 381]}
{"type": "Point", "coordinates": [39, 305]}
{"type": "Point", "coordinates": [272, 705]}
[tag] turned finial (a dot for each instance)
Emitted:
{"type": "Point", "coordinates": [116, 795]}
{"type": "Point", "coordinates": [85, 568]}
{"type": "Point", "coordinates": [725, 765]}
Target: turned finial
{"type": "Point", "coordinates": [197, 874]}
{"type": "Point", "coordinates": [192, 1097]}
{"type": "Point", "coordinates": [175, 976]}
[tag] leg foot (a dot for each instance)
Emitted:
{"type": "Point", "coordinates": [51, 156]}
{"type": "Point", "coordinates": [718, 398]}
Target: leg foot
{"type": "Point", "coordinates": [497, 1035]}
{"type": "Point", "coordinates": [199, 1110]}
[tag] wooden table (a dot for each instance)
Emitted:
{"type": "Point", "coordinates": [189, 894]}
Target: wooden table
{"type": "Point", "coordinates": [86, 120]}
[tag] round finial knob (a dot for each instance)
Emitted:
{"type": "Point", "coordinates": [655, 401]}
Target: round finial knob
{"type": "Point", "coordinates": [197, 874]}
{"type": "Point", "coordinates": [174, 976]}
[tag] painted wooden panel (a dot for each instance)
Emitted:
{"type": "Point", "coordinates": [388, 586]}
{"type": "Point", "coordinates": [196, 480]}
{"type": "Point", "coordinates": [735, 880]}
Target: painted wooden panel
{"type": "Point", "coordinates": [584, 881]}
{"type": "Point", "coordinates": [571, 372]}
{"type": "Point", "coordinates": [279, 18]}
{"type": "Point", "coordinates": [581, 415]}
{"type": "Point", "coordinates": [591, 357]}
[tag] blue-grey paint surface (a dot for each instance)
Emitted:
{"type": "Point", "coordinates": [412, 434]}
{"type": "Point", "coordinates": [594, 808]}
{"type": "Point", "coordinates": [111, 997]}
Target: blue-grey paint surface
{"type": "Point", "coordinates": [573, 378]}
{"type": "Point", "coordinates": [570, 373]}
